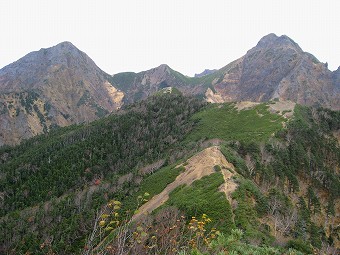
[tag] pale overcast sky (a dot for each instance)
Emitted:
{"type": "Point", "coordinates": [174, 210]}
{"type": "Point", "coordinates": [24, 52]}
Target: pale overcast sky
{"type": "Point", "coordinates": [188, 35]}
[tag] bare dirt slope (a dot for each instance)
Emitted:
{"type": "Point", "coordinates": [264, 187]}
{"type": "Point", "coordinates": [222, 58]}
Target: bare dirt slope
{"type": "Point", "coordinates": [229, 185]}
{"type": "Point", "coordinates": [245, 105]}
{"type": "Point", "coordinates": [285, 108]}
{"type": "Point", "coordinates": [196, 167]}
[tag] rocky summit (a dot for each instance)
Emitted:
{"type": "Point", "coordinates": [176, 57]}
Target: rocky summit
{"type": "Point", "coordinates": [52, 87]}
{"type": "Point", "coordinates": [278, 68]}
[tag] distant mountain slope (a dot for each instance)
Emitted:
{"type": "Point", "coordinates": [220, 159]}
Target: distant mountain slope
{"type": "Point", "coordinates": [278, 68]}
{"type": "Point", "coordinates": [275, 68]}
{"type": "Point", "coordinates": [57, 86]}
{"type": "Point", "coordinates": [205, 72]}
{"type": "Point", "coordinates": [61, 85]}
{"type": "Point", "coordinates": [137, 86]}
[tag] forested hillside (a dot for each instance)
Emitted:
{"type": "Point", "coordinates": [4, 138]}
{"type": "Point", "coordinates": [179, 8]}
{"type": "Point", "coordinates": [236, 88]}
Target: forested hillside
{"type": "Point", "coordinates": [46, 174]}
{"type": "Point", "coordinates": [57, 189]}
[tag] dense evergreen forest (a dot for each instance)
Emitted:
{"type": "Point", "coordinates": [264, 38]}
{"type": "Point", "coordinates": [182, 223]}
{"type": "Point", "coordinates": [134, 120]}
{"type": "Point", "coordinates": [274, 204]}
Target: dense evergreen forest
{"type": "Point", "coordinates": [53, 186]}
{"type": "Point", "coordinates": [57, 166]}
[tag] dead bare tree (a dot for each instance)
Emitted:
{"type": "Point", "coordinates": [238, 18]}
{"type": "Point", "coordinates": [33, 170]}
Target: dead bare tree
{"type": "Point", "coordinates": [250, 164]}
{"type": "Point", "coordinates": [328, 249]}
{"type": "Point", "coordinates": [286, 221]}
{"type": "Point", "coordinates": [88, 250]}
{"type": "Point", "coordinates": [283, 223]}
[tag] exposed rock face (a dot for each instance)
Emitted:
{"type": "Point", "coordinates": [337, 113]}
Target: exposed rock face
{"type": "Point", "coordinates": [336, 92]}
{"type": "Point", "coordinates": [336, 77]}
{"type": "Point", "coordinates": [212, 97]}
{"type": "Point", "coordinates": [57, 86]}
{"type": "Point", "coordinates": [278, 68]}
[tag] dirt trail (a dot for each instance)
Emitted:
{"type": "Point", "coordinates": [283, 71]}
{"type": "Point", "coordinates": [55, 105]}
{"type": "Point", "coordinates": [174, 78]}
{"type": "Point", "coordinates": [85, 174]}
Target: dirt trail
{"type": "Point", "coordinates": [199, 165]}
{"type": "Point", "coordinates": [229, 185]}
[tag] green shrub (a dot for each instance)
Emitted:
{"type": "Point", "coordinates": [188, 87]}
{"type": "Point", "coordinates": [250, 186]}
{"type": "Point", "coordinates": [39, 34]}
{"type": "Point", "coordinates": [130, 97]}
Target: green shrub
{"type": "Point", "coordinates": [300, 245]}
{"type": "Point", "coordinates": [203, 197]}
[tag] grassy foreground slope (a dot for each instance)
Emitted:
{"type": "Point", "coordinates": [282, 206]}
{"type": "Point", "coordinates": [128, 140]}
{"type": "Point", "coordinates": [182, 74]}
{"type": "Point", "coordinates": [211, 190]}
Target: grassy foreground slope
{"type": "Point", "coordinates": [224, 121]}
{"type": "Point", "coordinates": [287, 186]}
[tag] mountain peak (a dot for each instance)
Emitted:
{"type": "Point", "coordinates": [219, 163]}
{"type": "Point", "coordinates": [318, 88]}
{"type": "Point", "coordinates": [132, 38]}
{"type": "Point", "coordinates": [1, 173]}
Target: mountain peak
{"type": "Point", "coordinates": [272, 39]}
{"type": "Point", "coordinates": [285, 40]}
{"type": "Point", "coordinates": [63, 45]}
{"type": "Point", "coordinates": [267, 40]}
{"type": "Point", "coordinates": [61, 77]}
{"type": "Point", "coordinates": [60, 47]}
{"type": "Point", "coordinates": [63, 53]}
{"type": "Point", "coordinates": [163, 67]}
{"type": "Point", "coordinates": [278, 68]}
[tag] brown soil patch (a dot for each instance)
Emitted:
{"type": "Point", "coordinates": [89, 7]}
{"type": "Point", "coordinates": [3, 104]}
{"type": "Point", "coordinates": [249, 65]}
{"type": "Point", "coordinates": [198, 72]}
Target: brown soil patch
{"type": "Point", "coordinates": [229, 185]}
{"type": "Point", "coordinates": [285, 108]}
{"type": "Point", "coordinates": [212, 97]}
{"type": "Point", "coordinates": [245, 105]}
{"type": "Point", "coordinates": [198, 166]}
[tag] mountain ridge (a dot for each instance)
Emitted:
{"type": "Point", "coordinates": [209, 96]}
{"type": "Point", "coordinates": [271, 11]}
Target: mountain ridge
{"type": "Point", "coordinates": [61, 85]}
{"type": "Point", "coordinates": [205, 72]}
{"type": "Point", "coordinates": [276, 68]}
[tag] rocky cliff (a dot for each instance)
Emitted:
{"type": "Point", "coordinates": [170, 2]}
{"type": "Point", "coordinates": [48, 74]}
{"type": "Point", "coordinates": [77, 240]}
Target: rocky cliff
{"type": "Point", "coordinates": [52, 87]}
{"type": "Point", "coordinates": [278, 68]}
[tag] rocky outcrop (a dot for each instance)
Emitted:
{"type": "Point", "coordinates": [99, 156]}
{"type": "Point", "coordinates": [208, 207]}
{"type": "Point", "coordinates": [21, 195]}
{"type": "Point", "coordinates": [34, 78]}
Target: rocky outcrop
{"type": "Point", "coordinates": [336, 78]}
{"type": "Point", "coordinates": [52, 87]}
{"type": "Point", "coordinates": [278, 68]}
